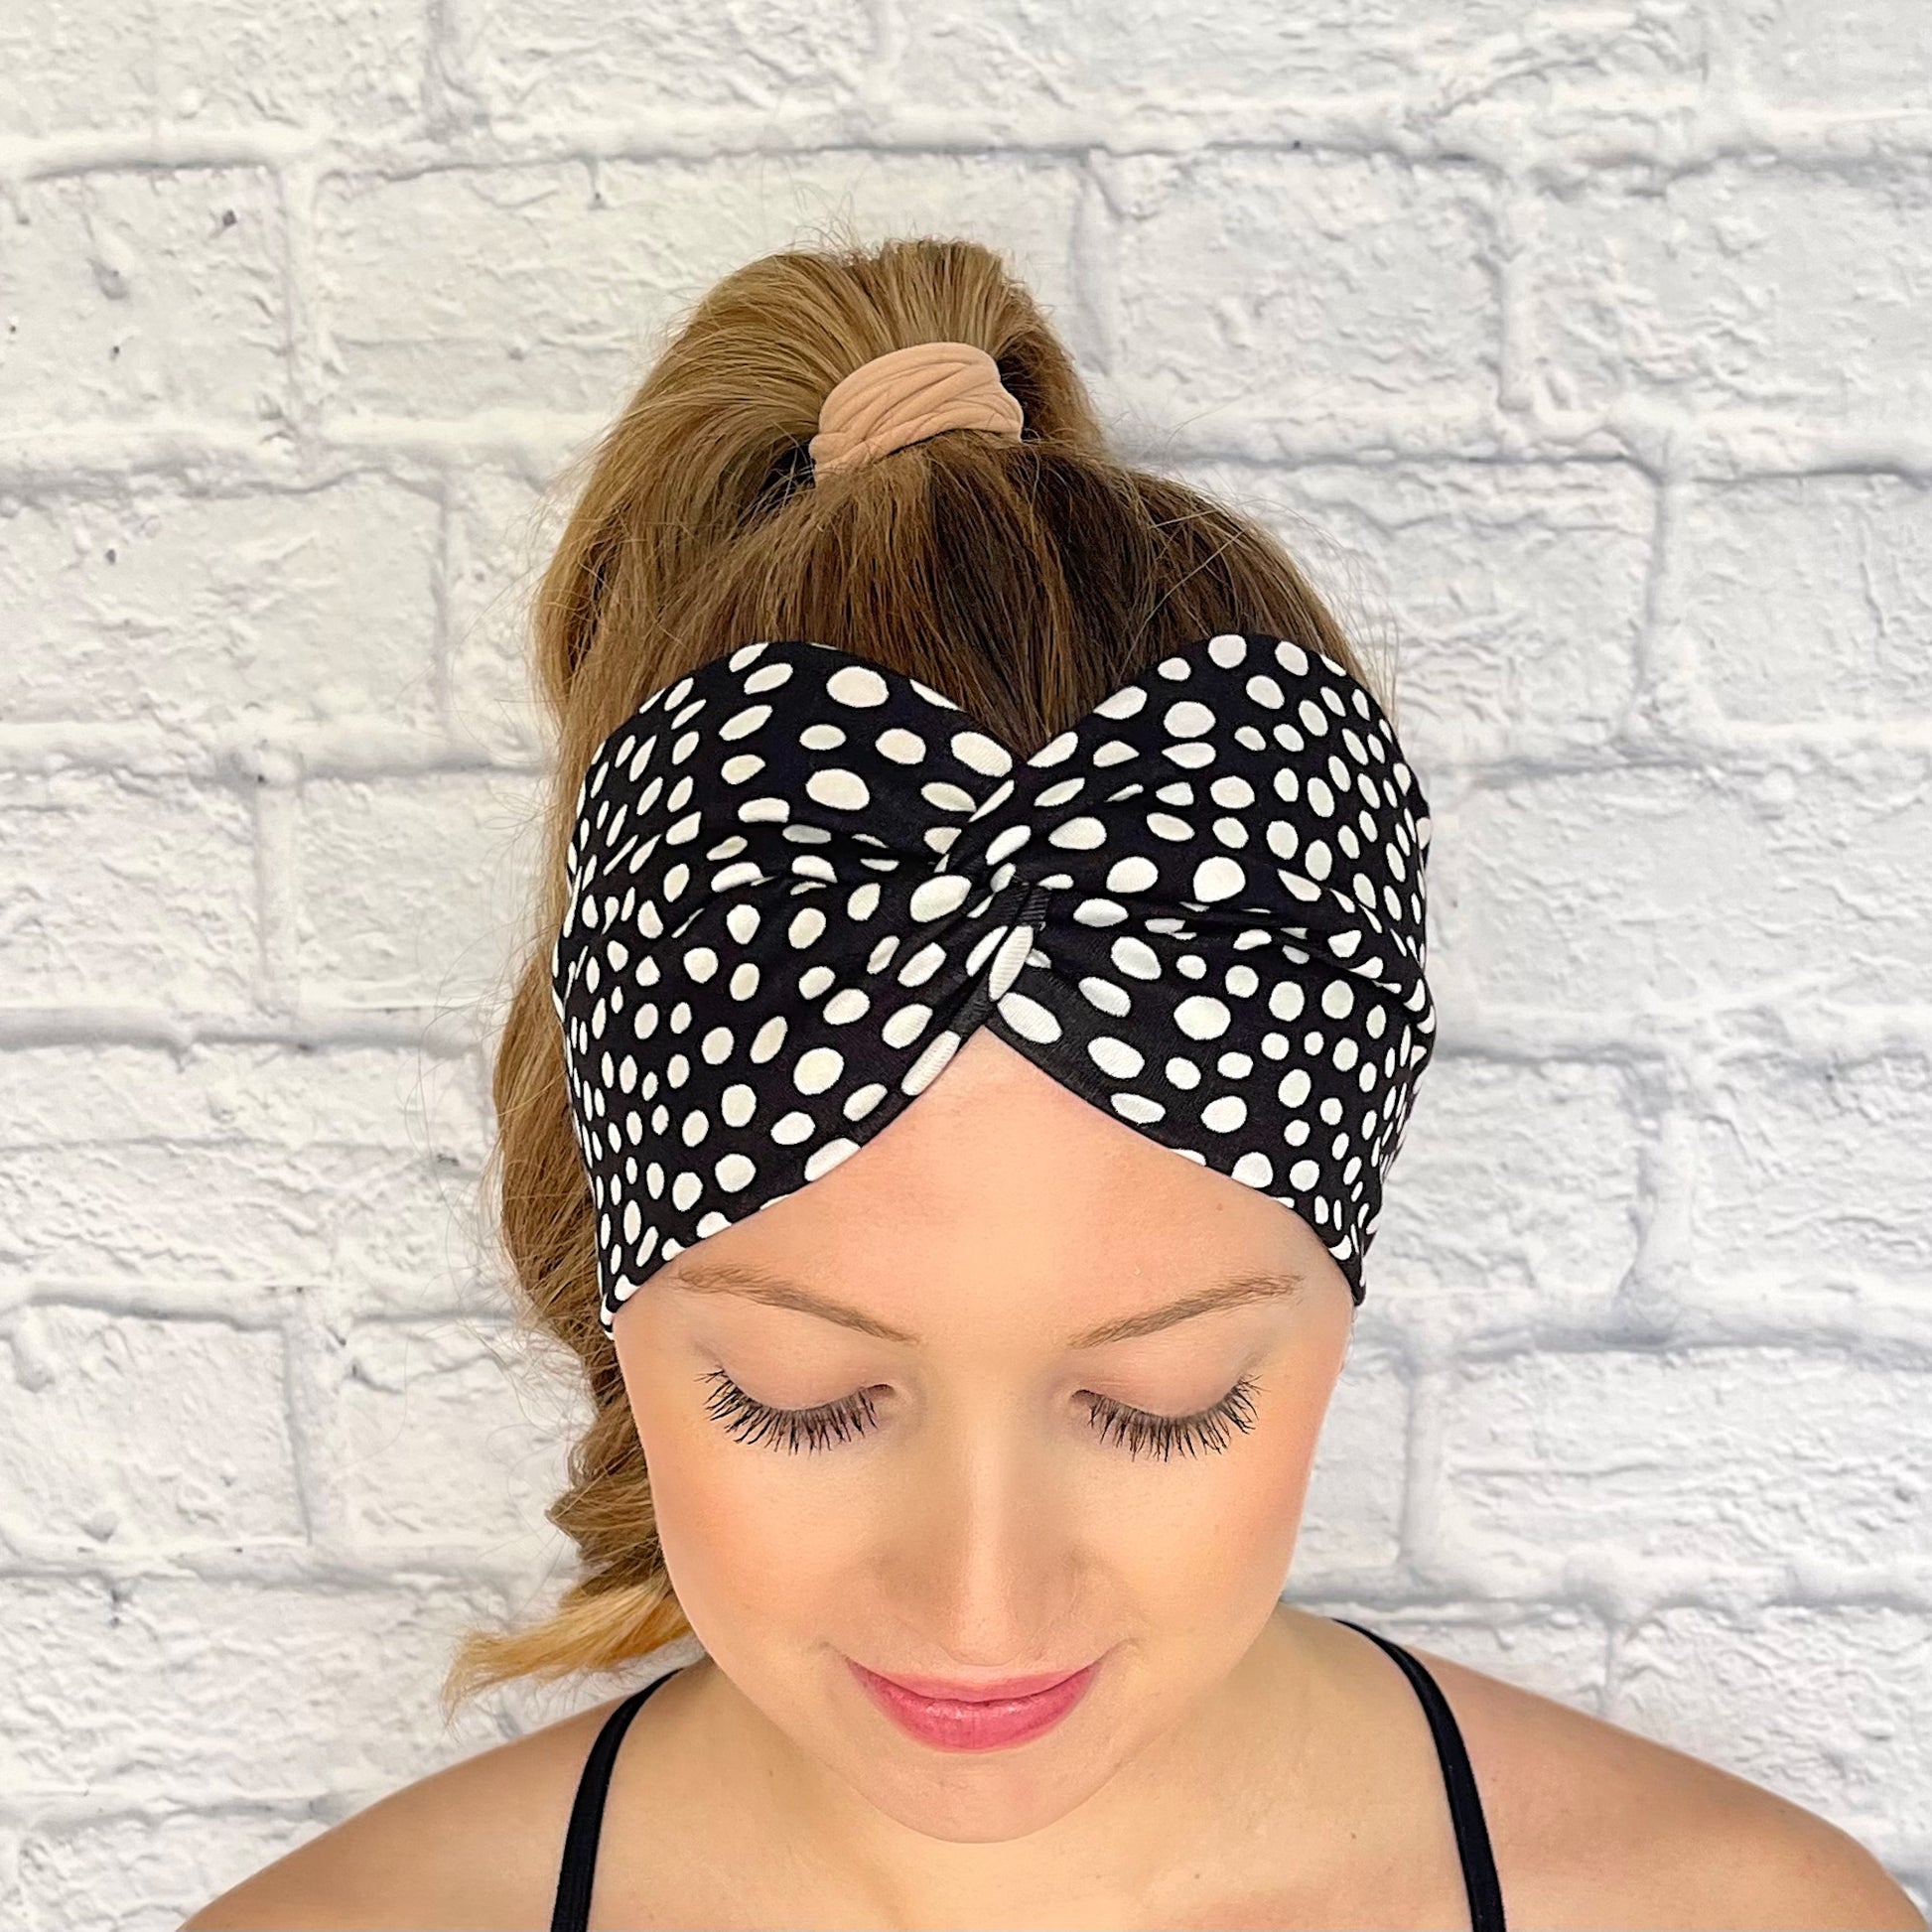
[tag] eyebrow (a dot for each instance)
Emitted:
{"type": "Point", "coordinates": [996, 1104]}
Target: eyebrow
{"type": "Point", "coordinates": [775, 1291]}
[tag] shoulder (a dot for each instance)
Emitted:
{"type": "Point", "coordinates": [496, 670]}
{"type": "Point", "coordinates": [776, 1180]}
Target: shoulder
{"type": "Point", "coordinates": [1592, 1824]}
{"type": "Point", "coordinates": [476, 1845]}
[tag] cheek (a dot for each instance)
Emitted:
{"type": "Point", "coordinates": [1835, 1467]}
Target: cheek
{"type": "Point", "coordinates": [1223, 1526]}
{"type": "Point", "coordinates": [1281, 1477]}
{"type": "Point", "coordinates": [751, 1540]}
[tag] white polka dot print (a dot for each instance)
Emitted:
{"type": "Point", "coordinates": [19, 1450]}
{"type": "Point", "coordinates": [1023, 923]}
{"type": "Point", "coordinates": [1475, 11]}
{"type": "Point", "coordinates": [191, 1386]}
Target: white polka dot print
{"type": "Point", "coordinates": [799, 881]}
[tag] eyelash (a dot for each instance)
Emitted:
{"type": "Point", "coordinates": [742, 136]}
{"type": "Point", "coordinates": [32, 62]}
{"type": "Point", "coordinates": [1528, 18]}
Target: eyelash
{"type": "Point", "coordinates": [750, 1421]}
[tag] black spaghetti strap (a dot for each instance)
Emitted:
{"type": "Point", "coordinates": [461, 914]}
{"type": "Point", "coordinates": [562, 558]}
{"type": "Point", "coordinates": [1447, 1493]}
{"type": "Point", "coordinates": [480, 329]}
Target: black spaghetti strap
{"type": "Point", "coordinates": [1480, 1878]}
{"type": "Point", "coordinates": [578, 1872]}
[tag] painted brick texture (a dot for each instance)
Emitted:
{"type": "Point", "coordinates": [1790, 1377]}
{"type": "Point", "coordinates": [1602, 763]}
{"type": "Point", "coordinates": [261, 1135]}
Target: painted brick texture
{"type": "Point", "coordinates": [1583, 354]}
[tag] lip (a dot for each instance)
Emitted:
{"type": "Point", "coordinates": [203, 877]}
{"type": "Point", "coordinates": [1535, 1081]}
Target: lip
{"type": "Point", "coordinates": [956, 1717]}
{"type": "Point", "coordinates": [960, 1690]}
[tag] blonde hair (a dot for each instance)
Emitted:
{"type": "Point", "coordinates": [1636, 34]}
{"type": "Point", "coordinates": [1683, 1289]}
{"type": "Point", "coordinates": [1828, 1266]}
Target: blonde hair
{"type": "Point", "coordinates": [1025, 579]}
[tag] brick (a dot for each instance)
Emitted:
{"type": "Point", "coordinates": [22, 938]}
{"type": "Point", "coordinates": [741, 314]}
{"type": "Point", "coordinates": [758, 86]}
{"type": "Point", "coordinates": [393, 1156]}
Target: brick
{"type": "Point", "coordinates": [148, 603]}
{"type": "Point", "coordinates": [1604, 890]}
{"type": "Point", "coordinates": [357, 62]}
{"type": "Point", "coordinates": [265, 1691]}
{"type": "Point", "coordinates": [501, 533]}
{"type": "Point", "coordinates": [101, 64]}
{"type": "Point", "coordinates": [1507, 601]}
{"type": "Point", "coordinates": [1809, 598]}
{"type": "Point", "coordinates": [137, 1869]}
{"type": "Point", "coordinates": [413, 889]}
{"type": "Point", "coordinates": [1856, 55]}
{"type": "Point", "coordinates": [66, 64]}
{"type": "Point", "coordinates": [1007, 56]}
{"type": "Point", "coordinates": [1810, 1171]}
{"type": "Point", "coordinates": [438, 1450]}
{"type": "Point", "coordinates": [573, 59]}
{"type": "Point", "coordinates": [213, 1216]}
{"type": "Point", "coordinates": [156, 896]}
{"type": "Point", "coordinates": [1261, 291]}
{"type": "Point", "coordinates": [1697, 1460]}
{"type": "Point", "coordinates": [1353, 1520]}
{"type": "Point", "coordinates": [232, 1172]}
{"type": "Point", "coordinates": [141, 295]}
{"type": "Point", "coordinates": [270, 1096]}
{"type": "Point", "coordinates": [132, 1438]}
{"type": "Point", "coordinates": [545, 288]}
{"type": "Point", "coordinates": [1824, 1702]}
{"type": "Point", "coordinates": [1519, 1187]}
{"type": "Point", "coordinates": [1738, 287]}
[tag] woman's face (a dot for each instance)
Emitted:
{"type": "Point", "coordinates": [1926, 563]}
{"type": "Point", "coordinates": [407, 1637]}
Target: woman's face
{"type": "Point", "coordinates": [979, 1496]}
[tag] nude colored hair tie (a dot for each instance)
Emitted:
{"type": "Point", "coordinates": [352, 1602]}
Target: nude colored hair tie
{"type": "Point", "coordinates": [905, 396]}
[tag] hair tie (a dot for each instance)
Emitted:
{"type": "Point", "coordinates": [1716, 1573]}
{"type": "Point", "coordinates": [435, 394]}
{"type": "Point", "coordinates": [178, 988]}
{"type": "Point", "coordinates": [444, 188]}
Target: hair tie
{"type": "Point", "coordinates": [909, 395]}
{"type": "Point", "coordinates": [1200, 908]}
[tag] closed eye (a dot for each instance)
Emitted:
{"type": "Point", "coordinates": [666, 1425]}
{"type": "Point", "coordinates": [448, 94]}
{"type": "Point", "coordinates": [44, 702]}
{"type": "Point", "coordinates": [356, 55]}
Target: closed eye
{"type": "Point", "coordinates": [746, 1420]}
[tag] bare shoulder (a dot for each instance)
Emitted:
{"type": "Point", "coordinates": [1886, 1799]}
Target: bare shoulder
{"type": "Point", "coordinates": [473, 1845]}
{"type": "Point", "coordinates": [1594, 1825]}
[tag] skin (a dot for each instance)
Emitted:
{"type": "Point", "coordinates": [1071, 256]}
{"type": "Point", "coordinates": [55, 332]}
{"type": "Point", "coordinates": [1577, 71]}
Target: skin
{"type": "Point", "coordinates": [1235, 1763]}
{"type": "Point", "coordinates": [984, 1525]}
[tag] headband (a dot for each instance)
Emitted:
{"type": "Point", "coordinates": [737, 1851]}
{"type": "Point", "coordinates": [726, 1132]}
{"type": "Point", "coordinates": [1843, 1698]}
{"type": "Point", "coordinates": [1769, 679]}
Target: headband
{"type": "Point", "coordinates": [798, 881]}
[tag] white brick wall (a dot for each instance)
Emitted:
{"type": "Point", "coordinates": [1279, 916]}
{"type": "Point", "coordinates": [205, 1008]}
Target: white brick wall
{"type": "Point", "coordinates": [1585, 355]}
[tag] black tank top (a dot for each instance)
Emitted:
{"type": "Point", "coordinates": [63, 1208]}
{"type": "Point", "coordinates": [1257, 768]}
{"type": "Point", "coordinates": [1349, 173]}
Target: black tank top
{"type": "Point", "coordinates": [572, 1912]}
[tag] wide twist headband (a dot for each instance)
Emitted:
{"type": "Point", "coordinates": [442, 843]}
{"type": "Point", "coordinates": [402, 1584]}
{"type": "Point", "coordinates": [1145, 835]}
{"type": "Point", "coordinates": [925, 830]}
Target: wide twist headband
{"type": "Point", "coordinates": [799, 881]}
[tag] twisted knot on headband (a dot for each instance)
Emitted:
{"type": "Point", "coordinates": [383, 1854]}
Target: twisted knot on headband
{"type": "Point", "coordinates": [800, 880]}
{"type": "Point", "coordinates": [907, 396]}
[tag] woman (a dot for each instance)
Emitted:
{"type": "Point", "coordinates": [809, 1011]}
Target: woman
{"type": "Point", "coordinates": [951, 826]}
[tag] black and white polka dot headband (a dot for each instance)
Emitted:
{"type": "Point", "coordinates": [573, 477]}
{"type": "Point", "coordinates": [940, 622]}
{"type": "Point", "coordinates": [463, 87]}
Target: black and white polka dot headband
{"type": "Point", "coordinates": [799, 881]}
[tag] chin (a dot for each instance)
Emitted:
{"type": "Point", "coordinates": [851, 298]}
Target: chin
{"type": "Point", "coordinates": [983, 1799]}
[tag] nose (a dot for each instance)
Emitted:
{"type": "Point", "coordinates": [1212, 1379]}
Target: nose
{"type": "Point", "coordinates": [984, 1553]}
